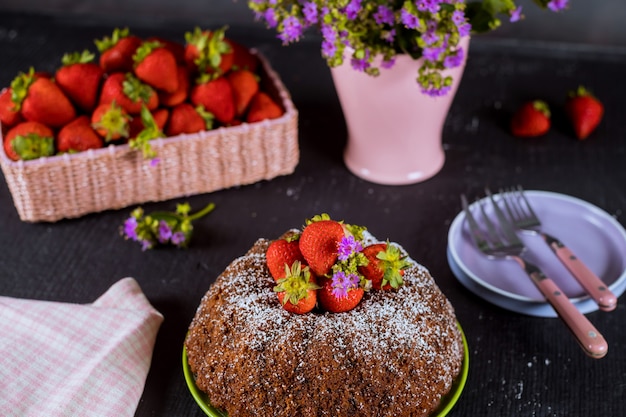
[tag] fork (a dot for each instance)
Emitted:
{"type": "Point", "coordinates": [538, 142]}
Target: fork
{"type": "Point", "coordinates": [523, 217]}
{"type": "Point", "coordinates": [501, 242]}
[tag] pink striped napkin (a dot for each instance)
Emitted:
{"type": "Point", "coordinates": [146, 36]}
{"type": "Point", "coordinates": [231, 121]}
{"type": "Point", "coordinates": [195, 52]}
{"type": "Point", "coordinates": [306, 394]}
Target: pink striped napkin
{"type": "Point", "coordinates": [60, 359]}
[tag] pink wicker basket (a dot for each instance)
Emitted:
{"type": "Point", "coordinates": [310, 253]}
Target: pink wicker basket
{"type": "Point", "coordinates": [72, 185]}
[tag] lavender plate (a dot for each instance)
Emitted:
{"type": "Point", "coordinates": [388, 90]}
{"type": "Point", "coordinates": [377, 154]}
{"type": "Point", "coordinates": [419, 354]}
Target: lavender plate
{"type": "Point", "coordinates": [592, 234]}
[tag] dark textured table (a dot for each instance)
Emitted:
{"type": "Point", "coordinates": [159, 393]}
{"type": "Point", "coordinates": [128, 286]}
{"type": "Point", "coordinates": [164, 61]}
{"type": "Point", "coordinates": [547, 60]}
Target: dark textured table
{"type": "Point", "coordinates": [519, 365]}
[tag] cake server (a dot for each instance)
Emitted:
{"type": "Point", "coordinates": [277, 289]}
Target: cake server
{"type": "Point", "coordinates": [497, 240]}
{"type": "Point", "coordinates": [523, 217]}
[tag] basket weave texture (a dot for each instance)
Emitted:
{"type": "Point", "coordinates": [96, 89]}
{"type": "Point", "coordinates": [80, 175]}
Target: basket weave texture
{"type": "Point", "coordinates": [72, 185]}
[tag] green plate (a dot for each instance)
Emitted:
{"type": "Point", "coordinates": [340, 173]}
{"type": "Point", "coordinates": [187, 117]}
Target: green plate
{"type": "Point", "coordinates": [447, 402]}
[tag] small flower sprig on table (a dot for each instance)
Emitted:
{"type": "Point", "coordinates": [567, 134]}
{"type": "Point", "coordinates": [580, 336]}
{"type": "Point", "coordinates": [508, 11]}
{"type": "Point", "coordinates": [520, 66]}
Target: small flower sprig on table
{"type": "Point", "coordinates": [162, 227]}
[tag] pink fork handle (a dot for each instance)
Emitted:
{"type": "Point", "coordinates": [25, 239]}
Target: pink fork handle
{"type": "Point", "coordinates": [587, 335]}
{"type": "Point", "coordinates": [597, 290]}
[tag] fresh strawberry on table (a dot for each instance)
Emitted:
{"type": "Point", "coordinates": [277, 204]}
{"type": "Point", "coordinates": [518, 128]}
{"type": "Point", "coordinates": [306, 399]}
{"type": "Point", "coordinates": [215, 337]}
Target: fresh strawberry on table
{"type": "Point", "coordinates": [281, 254]}
{"type": "Point", "coordinates": [80, 78]}
{"type": "Point", "coordinates": [129, 92]}
{"type": "Point", "coordinates": [585, 112]}
{"type": "Point", "coordinates": [39, 99]}
{"type": "Point", "coordinates": [78, 136]}
{"type": "Point", "coordinates": [9, 114]}
{"type": "Point", "coordinates": [156, 66]}
{"type": "Point", "coordinates": [29, 140]}
{"type": "Point", "coordinates": [116, 52]}
{"type": "Point", "coordinates": [531, 119]}
{"type": "Point", "coordinates": [216, 95]}
{"type": "Point", "coordinates": [340, 293]}
{"type": "Point", "coordinates": [185, 118]}
{"type": "Point", "coordinates": [319, 243]}
{"type": "Point", "coordinates": [110, 121]}
{"type": "Point", "coordinates": [297, 290]}
{"type": "Point", "coordinates": [245, 86]}
{"type": "Point", "coordinates": [385, 267]}
{"type": "Point", "coordinates": [262, 107]}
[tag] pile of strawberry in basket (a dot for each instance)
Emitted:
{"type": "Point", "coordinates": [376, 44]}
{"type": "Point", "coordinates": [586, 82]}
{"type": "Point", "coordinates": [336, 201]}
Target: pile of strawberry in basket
{"type": "Point", "coordinates": [135, 90]}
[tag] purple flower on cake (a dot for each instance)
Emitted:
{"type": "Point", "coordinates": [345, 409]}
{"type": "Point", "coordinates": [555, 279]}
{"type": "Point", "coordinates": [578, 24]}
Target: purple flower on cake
{"type": "Point", "coordinates": [348, 246]}
{"type": "Point", "coordinates": [342, 283]}
{"type": "Point", "coordinates": [367, 34]}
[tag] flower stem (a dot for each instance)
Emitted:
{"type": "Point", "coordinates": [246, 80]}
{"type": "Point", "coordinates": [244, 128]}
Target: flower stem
{"type": "Point", "coordinates": [209, 208]}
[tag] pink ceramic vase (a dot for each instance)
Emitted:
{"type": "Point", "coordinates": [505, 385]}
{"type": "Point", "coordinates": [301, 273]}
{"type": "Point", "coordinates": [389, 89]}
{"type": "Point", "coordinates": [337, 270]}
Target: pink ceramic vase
{"type": "Point", "coordinates": [394, 130]}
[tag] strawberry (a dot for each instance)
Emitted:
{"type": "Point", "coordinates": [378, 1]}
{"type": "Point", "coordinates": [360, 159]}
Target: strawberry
{"type": "Point", "coordinates": [216, 95]}
{"type": "Point", "coordinates": [263, 107]}
{"type": "Point", "coordinates": [335, 297]}
{"type": "Point", "coordinates": [319, 243]}
{"type": "Point", "coordinates": [39, 99]}
{"type": "Point", "coordinates": [297, 290]}
{"type": "Point", "coordinates": [176, 48]}
{"type": "Point", "coordinates": [116, 52]}
{"type": "Point", "coordinates": [184, 118]}
{"type": "Point", "coordinates": [584, 111]}
{"type": "Point", "coordinates": [80, 78]}
{"type": "Point", "coordinates": [150, 129]}
{"type": "Point", "coordinates": [156, 66]}
{"type": "Point", "coordinates": [181, 93]}
{"type": "Point", "coordinates": [243, 58]}
{"type": "Point", "coordinates": [78, 136]}
{"type": "Point", "coordinates": [281, 255]}
{"type": "Point", "coordinates": [9, 115]}
{"type": "Point", "coordinates": [29, 140]}
{"type": "Point", "coordinates": [129, 92]}
{"type": "Point", "coordinates": [138, 124]}
{"type": "Point", "coordinates": [208, 52]}
{"type": "Point", "coordinates": [531, 119]}
{"type": "Point", "coordinates": [245, 86]}
{"type": "Point", "coordinates": [110, 121]}
{"type": "Point", "coordinates": [385, 266]}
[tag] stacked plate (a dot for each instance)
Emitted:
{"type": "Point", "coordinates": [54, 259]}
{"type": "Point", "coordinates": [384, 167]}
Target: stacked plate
{"type": "Point", "coordinates": [591, 233]}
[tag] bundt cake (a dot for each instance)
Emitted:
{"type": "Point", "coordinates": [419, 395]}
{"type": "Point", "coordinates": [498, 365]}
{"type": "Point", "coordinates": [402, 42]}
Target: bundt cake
{"type": "Point", "coordinates": [397, 353]}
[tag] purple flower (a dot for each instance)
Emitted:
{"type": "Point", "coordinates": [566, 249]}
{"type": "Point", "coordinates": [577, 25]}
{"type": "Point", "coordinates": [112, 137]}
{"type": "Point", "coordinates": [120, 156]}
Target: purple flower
{"type": "Point", "coordinates": [436, 92]}
{"type": "Point", "coordinates": [292, 29]}
{"type": "Point", "coordinates": [384, 15]}
{"type": "Point", "coordinates": [130, 228]}
{"type": "Point", "coordinates": [328, 49]}
{"type": "Point", "coordinates": [516, 14]}
{"type": "Point", "coordinates": [458, 17]}
{"type": "Point", "coordinates": [432, 54]}
{"type": "Point", "coordinates": [347, 246]}
{"type": "Point", "coordinates": [146, 244]}
{"type": "Point", "coordinates": [352, 9]}
{"type": "Point", "coordinates": [164, 232]}
{"type": "Point", "coordinates": [557, 5]}
{"type": "Point", "coordinates": [409, 20]}
{"type": "Point", "coordinates": [464, 30]}
{"type": "Point", "coordinates": [270, 18]}
{"type": "Point", "coordinates": [329, 33]}
{"type": "Point", "coordinates": [430, 37]}
{"type": "Point", "coordinates": [454, 60]}
{"type": "Point", "coordinates": [360, 64]}
{"type": "Point", "coordinates": [342, 283]}
{"type": "Point", "coordinates": [431, 6]}
{"type": "Point", "coordinates": [178, 238]}
{"type": "Point", "coordinates": [310, 13]}
{"type": "Point", "coordinates": [154, 161]}
{"type": "Point", "coordinates": [388, 63]}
